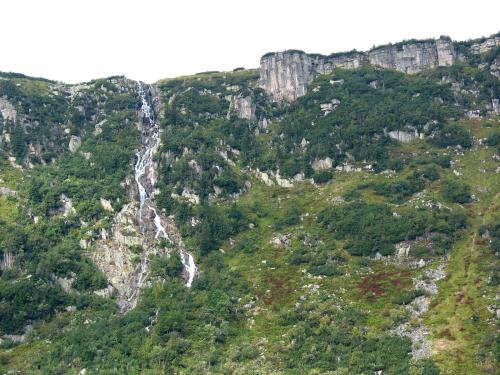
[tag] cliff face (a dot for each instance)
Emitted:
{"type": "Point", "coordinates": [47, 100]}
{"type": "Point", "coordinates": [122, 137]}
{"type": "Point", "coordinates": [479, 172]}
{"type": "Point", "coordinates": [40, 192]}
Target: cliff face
{"type": "Point", "coordinates": [486, 44]}
{"type": "Point", "coordinates": [495, 67]}
{"type": "Point", "coordinates": [285, 76]}
{"type": "Point", "coordinates": [414, 57]}
{"type": "Point", "coordinates": [241, 106]}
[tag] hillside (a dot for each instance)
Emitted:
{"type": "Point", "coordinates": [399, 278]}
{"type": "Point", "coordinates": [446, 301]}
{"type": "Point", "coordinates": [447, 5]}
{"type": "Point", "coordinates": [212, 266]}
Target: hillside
{"type": "Point", "coordinates": [319, 215]}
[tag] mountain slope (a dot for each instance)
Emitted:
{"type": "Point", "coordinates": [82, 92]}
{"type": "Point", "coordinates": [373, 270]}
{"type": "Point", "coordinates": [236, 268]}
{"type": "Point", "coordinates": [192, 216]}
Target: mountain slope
{"type": "Point", "coordinates": [347, 225]}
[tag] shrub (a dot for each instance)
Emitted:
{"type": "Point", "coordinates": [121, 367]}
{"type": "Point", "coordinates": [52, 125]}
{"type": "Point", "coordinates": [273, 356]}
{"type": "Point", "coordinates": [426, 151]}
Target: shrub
{"type": "Point", "coordinates": [430, 173]}
{"type": "Point", "coordinates": [406, 297]}
{"type": "Point", "coordinates": [369, 228]}
{"type": "Point", "coordinates": [456, 192]}
{"type": "Point", "coordinates": [443, 161]}
{"type": "Point", "coordinates": [322, 177]}
{"type": "Point", "coordinates": [290, 167]}
{"type": "Point", "coordinates": [451, 135]}
{"type": "Point", "coordinates": [352, 195]}
{"type": "Point", "coordinates": [167, 266]}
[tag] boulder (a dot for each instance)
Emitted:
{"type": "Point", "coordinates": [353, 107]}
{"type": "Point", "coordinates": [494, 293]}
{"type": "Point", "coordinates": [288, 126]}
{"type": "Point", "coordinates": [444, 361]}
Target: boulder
{"type": "Point", "coordinates": [74, 143]}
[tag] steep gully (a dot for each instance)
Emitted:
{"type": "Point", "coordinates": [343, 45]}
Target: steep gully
{"type": "Point", "coordinates": [144, 174]}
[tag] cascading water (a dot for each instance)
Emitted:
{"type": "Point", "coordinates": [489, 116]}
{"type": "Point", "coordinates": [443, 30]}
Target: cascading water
{"type": "Point", "coordinates": [145, 179]}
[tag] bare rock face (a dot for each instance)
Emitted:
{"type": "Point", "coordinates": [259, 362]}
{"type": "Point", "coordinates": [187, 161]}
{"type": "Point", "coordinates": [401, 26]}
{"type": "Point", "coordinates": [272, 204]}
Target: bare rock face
{"type": "Point", "coordinates": [67, 206]}
{"type": "Point", "coordinates": [495, 106]}
{"type": "Point", "coordinates": [6, 192]}
{"type": "Point", "coordinates": [327, 108]}
{"type": "Point", "coordinates": [7, 110]}
{"type": "Point", "coordinates": [7, 261]}
{"type": "Point", "coordinates": [242, 106]}
{"type": "Point", "coordinates": [321, 164]}
{"type": "Point", "coordinates": [486, 45]}
{"type": "Point", "coordinates": [495, 67]}
{"type": "Point", "coordinates": [106, 204]}
{"type": "Point", "coordinates": [112, 254]}
{"type": "Point", "coordinates": [285, 76]}
{"type": "Point", "coordinates": [326, 64]}
{"type": "Point", "coordinates": [415, 329]}
{"type": "Point", "coordinates": [405, 136]}
{"type": "Point", "coordinates": [74, 143]}
{"type": "Point", "coordinates": [66, 283]}
{"type": "Point", "coordinates": [414, 57]}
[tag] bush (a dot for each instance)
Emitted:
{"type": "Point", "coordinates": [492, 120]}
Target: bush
{"type": "Point", "coordinates": [369, 228]}
{"type": "Point", "coordinates": [494, 141]}
{"type": "Point", "coordinates": [352, 195]}
{"type": "Point", "coordinates": [406, 297]}
{"type": "Point", "coordinates": [28, 300]}
{"type": "Point", "coordinates": [290, 216]}
{"type": "Point", "coordinates": [290, 167]}
{"type": "Point", "coordinates": [398, 190]}
{"type": "Point", "coordinates": [322, 177]}
{"type": "Point", "coordinates": [167, 266]}
{"type": "Point", "coordinates": [451, 135]}
{"type": "Point", "coordinates": [443, 161]}
{"type": "Point", "coordinates": [430, 173]}
{"type": "Point", "coordinates": [456, 192]}
{"type": "Point", "coordinates": [136, 249]}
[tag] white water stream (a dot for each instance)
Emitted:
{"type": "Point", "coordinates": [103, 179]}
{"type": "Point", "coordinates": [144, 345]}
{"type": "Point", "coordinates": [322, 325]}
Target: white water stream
{"type": "Point", "coordinates": [144, 176]}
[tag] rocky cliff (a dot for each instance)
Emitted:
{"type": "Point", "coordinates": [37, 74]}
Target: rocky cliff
{"type": "Point", "coordinates": [241, 106]}
{"type": "Point", "coordinates": [413, 57]}
{"type": "Point", "coordinates": [286, 75]}
{"type": "Point", "coordinates": [486, 44]}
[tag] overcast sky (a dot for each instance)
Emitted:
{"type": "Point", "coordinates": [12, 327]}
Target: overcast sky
{"type": "Point", "coordinates": [78, 40]}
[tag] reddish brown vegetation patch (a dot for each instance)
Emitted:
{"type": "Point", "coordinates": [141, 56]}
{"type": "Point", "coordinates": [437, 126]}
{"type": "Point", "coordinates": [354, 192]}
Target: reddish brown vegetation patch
{"type": "Point", "coordinates": [382, 283]}
{"type": "Point", "coordinates": [279, 289]}
{"type": "Point", "coordinates": [446, 334]}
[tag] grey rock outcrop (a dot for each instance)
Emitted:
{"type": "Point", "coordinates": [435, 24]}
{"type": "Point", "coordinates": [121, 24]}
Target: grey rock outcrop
{"type": "Point", "coordinates": [495, 67]}
{"type": "Point", "coordinates": [486, 44]}
{"type": "Point", "coordinates": [7, 260]}
{"type": "Point", "coordinates": [66, 283]}
{"type": "Point", "coordinates": [6, 192]}
{"type": "Point", "coordinates": [405, 136]}
{"type": "Point", "coordinates": [321, 164]}
{"type": "Point", "coordinates": [7, 110]}
{"type": "Point", "coordinates": [495, 106]}
{"type": "Point", "coordinates": [285, 76]}
{"type": "Point", "coordinates": [74, 143]}
{"type": "Point", "coordinates": [413, 57]}
{"type": "Point", "coordinates": [327, 108]}
{"type": "Point", "coordinates": [415, 329]}
{"type": "Point", "coordinates": [106, 204]}
{"type": "Point", "coordinates": [114, 258]}
{"type": "Point", "coordinates": [242, 106]}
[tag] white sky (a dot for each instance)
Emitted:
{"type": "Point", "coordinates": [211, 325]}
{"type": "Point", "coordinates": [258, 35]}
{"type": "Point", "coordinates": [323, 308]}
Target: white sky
{"type": "Point", "coordinates": [78, 40]}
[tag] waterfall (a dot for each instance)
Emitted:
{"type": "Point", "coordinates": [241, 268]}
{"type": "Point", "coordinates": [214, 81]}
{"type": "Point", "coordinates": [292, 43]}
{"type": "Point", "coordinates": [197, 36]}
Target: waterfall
{"type": "Point", "coordinates": [144, 176]}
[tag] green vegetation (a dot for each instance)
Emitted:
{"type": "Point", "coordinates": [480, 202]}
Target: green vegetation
{"type": "Point", "coordinates": [456, 192]}
{"type": "Point", "coordinates": [373, 228]}
{"type": "Point", "coordinates": [292, 280]}
{"type": "Point", "coordinates": [47, 248]}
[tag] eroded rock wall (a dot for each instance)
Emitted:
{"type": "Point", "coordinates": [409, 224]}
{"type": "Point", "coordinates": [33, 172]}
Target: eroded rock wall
{"type": "Point", "coordinates": [285, 76]}
{"type": "Point", "coordinates": [414, 57]}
